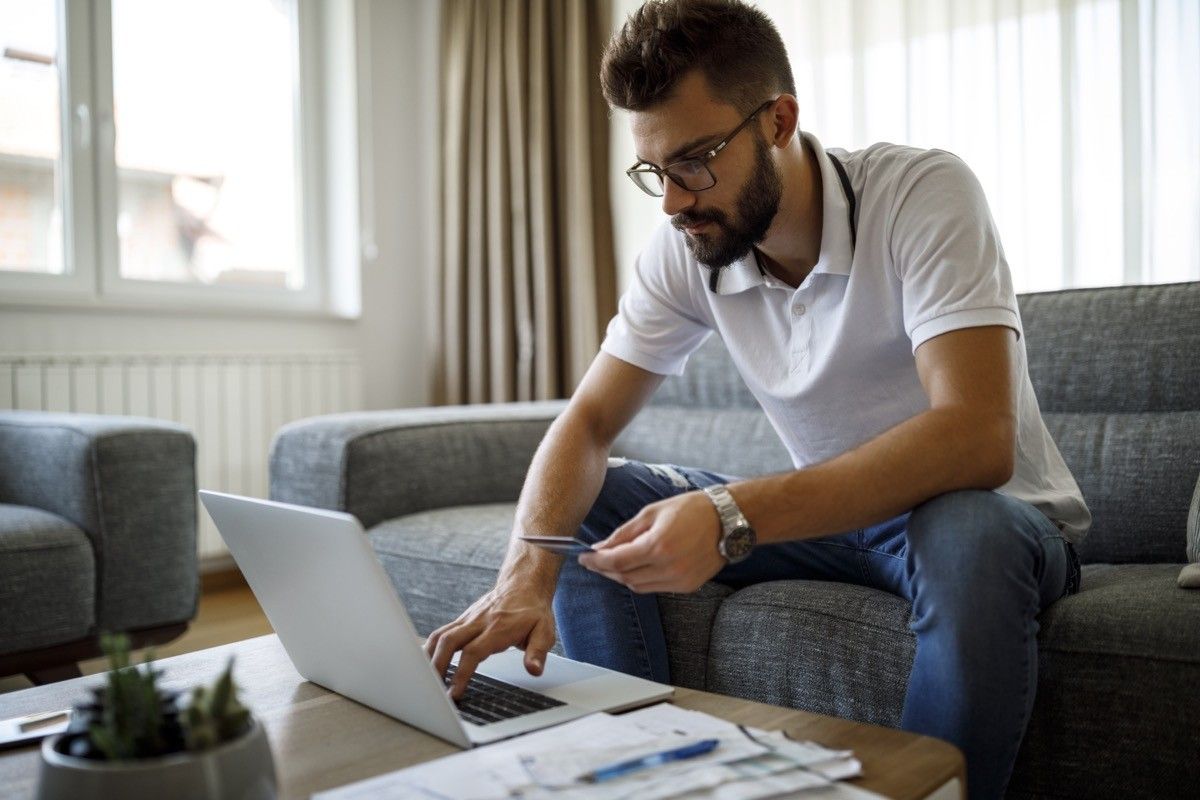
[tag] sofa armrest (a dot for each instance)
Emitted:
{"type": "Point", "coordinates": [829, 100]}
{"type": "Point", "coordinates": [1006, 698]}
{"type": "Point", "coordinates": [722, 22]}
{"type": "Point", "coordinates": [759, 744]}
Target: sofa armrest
{"type": "Point", "coordinates": [130, 484]}
{"type": "Point", "coordinates": [378, 465]}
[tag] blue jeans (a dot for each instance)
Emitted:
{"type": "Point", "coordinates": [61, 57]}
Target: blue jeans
{"type": "Point", "coordinates": [977, 567]}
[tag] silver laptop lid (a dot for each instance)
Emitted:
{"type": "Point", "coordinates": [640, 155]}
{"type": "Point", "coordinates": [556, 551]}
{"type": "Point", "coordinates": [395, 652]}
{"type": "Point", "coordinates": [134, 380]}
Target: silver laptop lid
{"type": "Point", "coordinates": [336, 613]}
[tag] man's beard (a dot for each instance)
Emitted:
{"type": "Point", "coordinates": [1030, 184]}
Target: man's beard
{"type": "Point", "coordinates": [757, 205]}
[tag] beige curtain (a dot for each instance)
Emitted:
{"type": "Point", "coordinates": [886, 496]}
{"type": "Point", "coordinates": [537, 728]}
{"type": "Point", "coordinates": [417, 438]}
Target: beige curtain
{"type": "Point", "coordinates": [527, 279]}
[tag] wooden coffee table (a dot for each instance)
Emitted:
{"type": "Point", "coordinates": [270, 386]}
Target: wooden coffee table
{"type": "Point", "coordinates": [321, 740]}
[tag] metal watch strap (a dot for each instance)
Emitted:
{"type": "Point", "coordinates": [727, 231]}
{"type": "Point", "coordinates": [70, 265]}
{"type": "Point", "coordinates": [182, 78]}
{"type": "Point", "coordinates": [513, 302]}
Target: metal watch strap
{"type": "Point", "coordinates": [732, 519]}
{"type": "Point", "coordinates": [727, 508]}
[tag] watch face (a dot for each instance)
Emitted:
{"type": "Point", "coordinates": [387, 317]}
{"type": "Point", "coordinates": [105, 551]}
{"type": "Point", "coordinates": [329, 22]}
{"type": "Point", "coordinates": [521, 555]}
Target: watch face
{"type": "Point", "coordinates": [739, 543]}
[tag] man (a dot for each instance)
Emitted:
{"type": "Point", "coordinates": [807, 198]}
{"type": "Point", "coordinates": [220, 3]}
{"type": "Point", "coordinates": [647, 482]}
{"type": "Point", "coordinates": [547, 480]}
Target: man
{"type": "Point", "coordinates": [866, 301]}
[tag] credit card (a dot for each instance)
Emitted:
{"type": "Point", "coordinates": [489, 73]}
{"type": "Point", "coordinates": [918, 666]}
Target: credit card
{"type": "Point", "coordinates": [563, 545]}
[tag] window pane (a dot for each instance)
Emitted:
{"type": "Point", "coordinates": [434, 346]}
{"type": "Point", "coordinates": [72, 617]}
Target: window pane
{"type": "Point", "coordinates": [204, 105]}
{"type": "Point", "coordinates": [30, 171]}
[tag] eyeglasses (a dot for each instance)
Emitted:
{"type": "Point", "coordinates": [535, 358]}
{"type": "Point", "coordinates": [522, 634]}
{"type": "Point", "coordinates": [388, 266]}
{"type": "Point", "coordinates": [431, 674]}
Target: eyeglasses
{"type": "Point", "coordinates": [690, 174]}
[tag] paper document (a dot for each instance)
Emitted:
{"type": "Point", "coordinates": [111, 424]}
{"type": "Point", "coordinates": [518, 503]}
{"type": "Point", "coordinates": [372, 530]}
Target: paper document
{"type": "Point", "coordinates": [492, 772]}
{"type": "Point", "coordinates": [654, 729]}
{"type": "Point", "coordinates": [747, 764]}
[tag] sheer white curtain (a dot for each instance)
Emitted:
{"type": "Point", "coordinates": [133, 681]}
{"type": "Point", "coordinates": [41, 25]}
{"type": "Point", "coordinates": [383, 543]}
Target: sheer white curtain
{"type": "Point", "coordinates": [1080, 117]}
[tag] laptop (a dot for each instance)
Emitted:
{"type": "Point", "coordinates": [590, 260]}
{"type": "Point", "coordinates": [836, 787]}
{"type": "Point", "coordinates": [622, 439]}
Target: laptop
{"type": "Point", "coordinates": [345, 628]}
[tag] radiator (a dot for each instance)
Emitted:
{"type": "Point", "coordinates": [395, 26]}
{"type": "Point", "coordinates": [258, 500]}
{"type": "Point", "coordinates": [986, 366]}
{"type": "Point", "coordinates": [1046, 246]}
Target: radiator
{"type": "Point", "coordinates": [233, 404]}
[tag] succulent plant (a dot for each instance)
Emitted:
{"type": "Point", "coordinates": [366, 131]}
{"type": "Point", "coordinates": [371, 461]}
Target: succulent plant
{"type": "Point", "coordinates": [130, 716]}
{"type": "Point", "coordinates": [215, 715]}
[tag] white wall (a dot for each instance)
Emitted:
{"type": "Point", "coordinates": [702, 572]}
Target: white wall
{"type": "Point", "coordinates": [398, 287]}
{"type": "Point", "coordinates": [390, 337]}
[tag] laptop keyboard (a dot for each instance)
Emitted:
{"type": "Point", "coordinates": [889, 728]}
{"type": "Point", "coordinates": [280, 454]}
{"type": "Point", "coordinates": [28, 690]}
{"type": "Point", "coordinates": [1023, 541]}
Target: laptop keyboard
{"type": "Point", "coordinates": [488, 700]}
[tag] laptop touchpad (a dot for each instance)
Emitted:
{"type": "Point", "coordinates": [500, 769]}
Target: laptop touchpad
{"type": "Point", "coordinates": [509, 666]}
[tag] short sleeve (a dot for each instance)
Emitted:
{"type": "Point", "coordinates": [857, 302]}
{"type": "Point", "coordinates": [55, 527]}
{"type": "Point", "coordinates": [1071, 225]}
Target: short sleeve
{"type": "Point", "coordinates": [947, 253]}
{"type": "Point", "coordinates": [657, 325]}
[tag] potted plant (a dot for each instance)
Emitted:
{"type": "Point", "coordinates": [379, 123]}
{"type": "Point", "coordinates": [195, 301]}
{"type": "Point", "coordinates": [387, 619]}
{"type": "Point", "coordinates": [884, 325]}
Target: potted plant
{"type": "Point", "coordinates": [135, 739]}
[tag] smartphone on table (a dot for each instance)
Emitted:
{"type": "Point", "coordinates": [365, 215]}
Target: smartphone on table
{"type": "Point", "coordinates": [32, 728]}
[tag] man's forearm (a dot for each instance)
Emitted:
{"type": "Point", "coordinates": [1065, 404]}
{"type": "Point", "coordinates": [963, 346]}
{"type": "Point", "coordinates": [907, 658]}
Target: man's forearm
{"type": "Point", "coordinates": [935, 452]}
{"type": "Point", "coordinates": [563, 482]}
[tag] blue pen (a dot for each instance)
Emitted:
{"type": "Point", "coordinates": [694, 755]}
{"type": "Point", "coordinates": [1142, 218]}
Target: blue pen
{"type": "Point", "coordinates": [652, 760]}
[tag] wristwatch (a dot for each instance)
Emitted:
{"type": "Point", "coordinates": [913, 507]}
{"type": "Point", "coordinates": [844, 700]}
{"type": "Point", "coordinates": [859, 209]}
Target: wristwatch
{"type": "Point", "coordinates": [737, 537]}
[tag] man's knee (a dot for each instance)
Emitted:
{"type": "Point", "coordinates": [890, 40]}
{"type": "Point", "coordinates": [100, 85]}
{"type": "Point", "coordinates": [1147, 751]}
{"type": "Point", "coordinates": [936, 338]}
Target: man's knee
{"type": "Point", "coordinates": [970, 528]}
{"type": "Point", "coordinates": [972, 561]}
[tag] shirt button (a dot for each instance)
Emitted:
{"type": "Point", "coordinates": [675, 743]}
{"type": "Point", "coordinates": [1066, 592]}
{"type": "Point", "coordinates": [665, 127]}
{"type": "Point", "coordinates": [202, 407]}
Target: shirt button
{"type": "Point", "coordinates": [799, 310]}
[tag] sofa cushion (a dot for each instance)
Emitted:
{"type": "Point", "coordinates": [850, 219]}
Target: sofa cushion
{"type": "Point", "coordinates": [442, 561]}
{"type": "Point", "coordinates": [688, 622]}
{"type": "Point", "coordinates": [820, 646]}
{"type": "Point", "coordinates": [47, 580]}
{"type": "Point", "coordinates": [1130, 610]}
{"type": "Point", "coordinates": [1128, 349]}
{"type": "Point", "coordinates": [735, 442]}
{"type": "Point", "coordinates": [1137, 472]}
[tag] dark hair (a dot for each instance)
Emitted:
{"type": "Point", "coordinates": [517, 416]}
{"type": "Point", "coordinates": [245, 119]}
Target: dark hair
{"type": "Point", "coordinates": [735, 46]}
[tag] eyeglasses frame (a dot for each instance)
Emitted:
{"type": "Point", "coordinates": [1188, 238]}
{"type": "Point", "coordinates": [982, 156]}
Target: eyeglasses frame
{"type": "Point", "coordinates": [703, 158]}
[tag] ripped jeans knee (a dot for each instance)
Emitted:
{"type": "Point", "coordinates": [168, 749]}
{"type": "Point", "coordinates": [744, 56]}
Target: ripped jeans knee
{"type": "Point", "coordinates": [629, 486]}
{"type": "Point", "coordinates": [668, 472]}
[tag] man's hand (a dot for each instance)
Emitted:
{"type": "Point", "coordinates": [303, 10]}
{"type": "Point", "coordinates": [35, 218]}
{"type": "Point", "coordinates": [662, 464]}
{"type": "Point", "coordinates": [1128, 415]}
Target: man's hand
{"type": "Point", "coordinates": [670, 546]}
{"type": "Point", "coordinates": [507, 615]}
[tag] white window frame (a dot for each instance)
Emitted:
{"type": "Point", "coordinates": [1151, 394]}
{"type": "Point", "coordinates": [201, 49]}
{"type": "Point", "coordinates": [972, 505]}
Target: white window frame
{"type": "Point", "coordinates": [327, 166]}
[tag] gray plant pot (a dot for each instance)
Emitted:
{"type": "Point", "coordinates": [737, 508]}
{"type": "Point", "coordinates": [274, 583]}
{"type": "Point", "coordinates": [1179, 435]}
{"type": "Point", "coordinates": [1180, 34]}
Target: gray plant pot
{"type": "Point", "coordinates": [239, 770]}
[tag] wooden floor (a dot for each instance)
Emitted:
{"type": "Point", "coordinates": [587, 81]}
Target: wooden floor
{"type": "Point", "coordinates": [228, 613]}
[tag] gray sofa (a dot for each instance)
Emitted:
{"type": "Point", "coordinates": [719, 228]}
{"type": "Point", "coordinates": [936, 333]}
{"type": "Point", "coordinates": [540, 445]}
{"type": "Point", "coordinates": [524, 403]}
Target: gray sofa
{"type": "Point", "coordinates": [1117, 373]}
{"type": "Point", "coordinates": [97, 533]}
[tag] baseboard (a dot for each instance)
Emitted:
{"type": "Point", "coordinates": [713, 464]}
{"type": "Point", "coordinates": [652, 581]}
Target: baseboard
{"type": "Point", "coordinates": [221, 577]}
{"type": "Point", "coordinates": [218, 563]}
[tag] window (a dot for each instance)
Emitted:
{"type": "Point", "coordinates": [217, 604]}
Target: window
{"type": "Point", "coordinates": [155, 152]}
{"type": "Point", "coordinates": [206, 141]}
{"type": "Point", "coordinates": [30, 151]}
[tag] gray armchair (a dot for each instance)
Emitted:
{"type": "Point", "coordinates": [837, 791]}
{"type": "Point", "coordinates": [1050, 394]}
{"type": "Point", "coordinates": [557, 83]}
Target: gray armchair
{"type": "Point", "coordinates": [97, 533]}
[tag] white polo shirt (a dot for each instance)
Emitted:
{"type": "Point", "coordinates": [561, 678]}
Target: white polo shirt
{"type": "Point", "coordinates": [831, 362]}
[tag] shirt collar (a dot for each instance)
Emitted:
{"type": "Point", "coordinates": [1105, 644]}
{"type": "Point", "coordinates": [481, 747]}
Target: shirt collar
{"type": "Point", "coordinates": [836, 254]}
{"type": "Point", "coordinates": [836, 251]}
